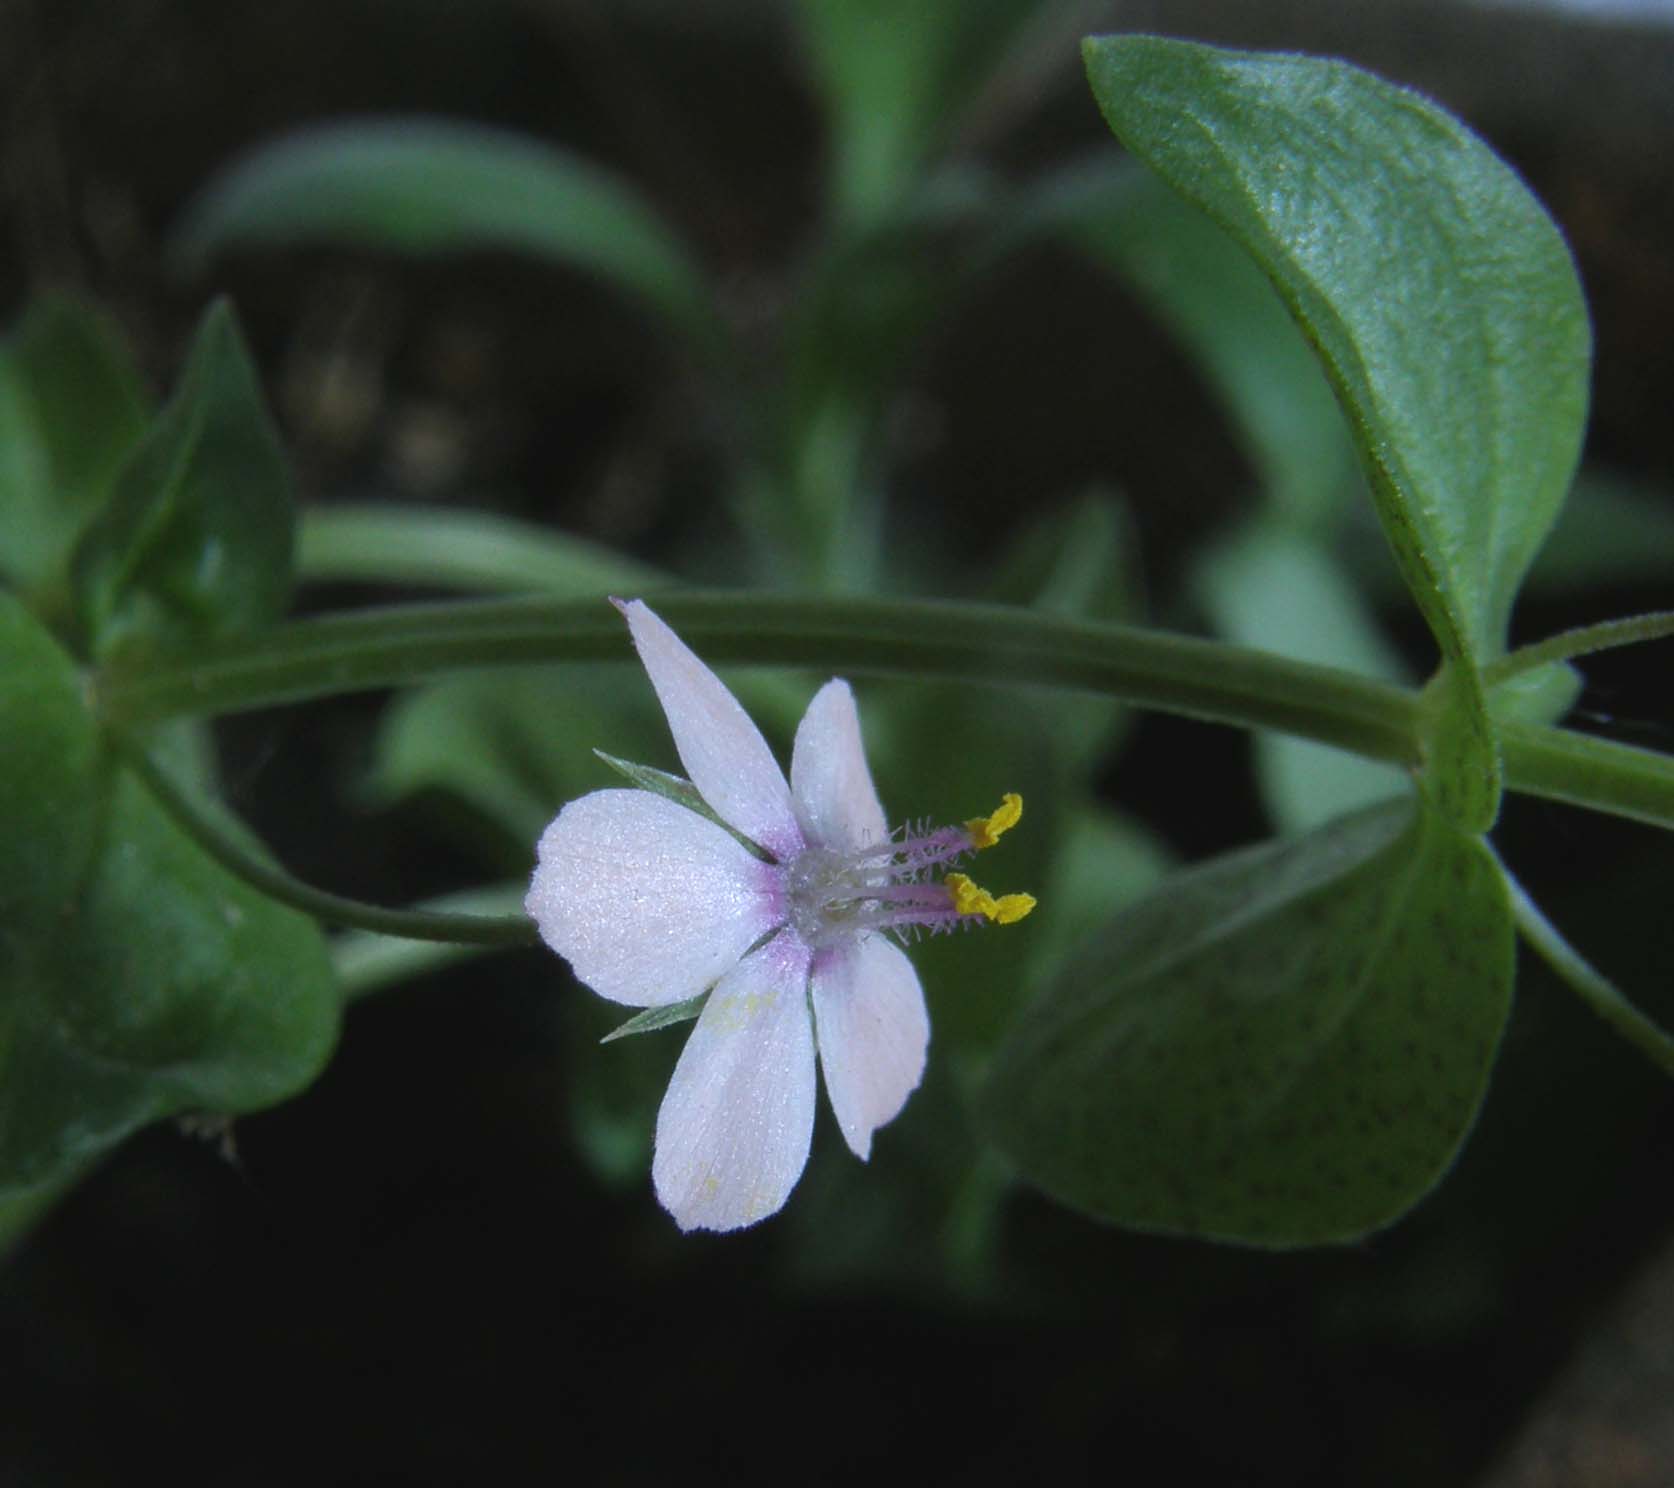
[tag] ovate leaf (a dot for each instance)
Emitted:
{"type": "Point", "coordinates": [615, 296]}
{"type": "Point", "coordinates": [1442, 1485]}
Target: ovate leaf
{"type": "Point", "coordinates": [137, 979]}
{"type": "Point", "coordinates": [1439, 296]}
{"type": "Point", "coordinates": [71, 407]}
{"type": "Point", "coordinates": [198, 538]}
{"type": "Point", "coordinates": [1283, 1047]}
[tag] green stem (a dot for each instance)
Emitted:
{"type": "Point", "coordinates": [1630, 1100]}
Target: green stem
{"type": "Point", "coordinates": [1568, 644]}
{"type": "Point", "coordinates": [238, 859]}
{"type": "Point", "coordinates": [987, 643]}
{"type": "Point", "coordinates": [1581, 770]}
{"type": "Point", "coordinates": [1596, 990]}
{"type": "Point", "coordinates": [983, 643]}
{"type": "Point", "coordinates": [367, 962]}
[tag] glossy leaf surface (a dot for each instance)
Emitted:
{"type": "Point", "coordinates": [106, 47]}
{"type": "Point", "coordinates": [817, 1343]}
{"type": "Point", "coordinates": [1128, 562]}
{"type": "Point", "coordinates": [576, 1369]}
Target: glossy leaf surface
{"type": "Point", "coordinates": [1440, 297]}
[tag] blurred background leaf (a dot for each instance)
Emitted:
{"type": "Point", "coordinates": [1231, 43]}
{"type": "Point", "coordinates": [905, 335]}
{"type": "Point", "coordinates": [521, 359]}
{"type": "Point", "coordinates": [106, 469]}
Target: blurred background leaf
{"type": "Point", "coordinates": [429, 186]}
{"type": "Point", "coordinates": [197, 538]}
{"type": "Point", "coordinates": [1268, 586]}
{"type": "Point", "coordinates": [71, 408]}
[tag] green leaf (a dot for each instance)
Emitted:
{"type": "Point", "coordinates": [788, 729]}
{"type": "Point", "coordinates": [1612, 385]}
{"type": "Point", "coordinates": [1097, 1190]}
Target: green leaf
{"type": "Point", "coordinates": [1207, 290]}
{"type": "Point", "coordinates": [1271, 588]}
{"type": "Point", "coordinates": [426, 186]}
{"type": "Point", "coordinates": [49, 757]}
{"type": "Point", "coordinates": [518, 744]}
{"type": "Point", "coordinates": [1441, 301]}
{"type": "Point", "coordinates": [395, 543]}
{"type": "Point", "coordinates": [1283, 1047]}
{"type": "Point", "coordinates": [515, 745]}
{"type": "Point", "coordinates": [137, 979]}
{"type": "Point", "coordinates": [1101, 859]}
{"type": "Point", "coordinates": [197, 540]}
{"type": "Point", "coordinates": [654, 1018]}
{"type": "Point", "coordinates": [1611, 533]}
{"type": "Point", "coordinates": [23, 1209]}
{"type": "Point", "coordinates": [894, 78]}
{"type": "Point", "coordinates": [1439, 296]}
{"type": "Point", "coordinates": [71, 407]}
{"type": "Point", "coordinates": [1081, 563]}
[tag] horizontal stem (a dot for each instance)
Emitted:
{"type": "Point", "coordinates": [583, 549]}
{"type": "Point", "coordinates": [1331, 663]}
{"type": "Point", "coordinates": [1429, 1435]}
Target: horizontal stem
{"type": "Point", "coordinates": [270, 879]}
{"type": "Point", "coordinates": [975, 643]}
{"type": "Point", "coordinates": [986, 643]}
{"type": "Point", "coordinates": [367, 962]}
{"type": "Point", "coordinates": [1583, 770]}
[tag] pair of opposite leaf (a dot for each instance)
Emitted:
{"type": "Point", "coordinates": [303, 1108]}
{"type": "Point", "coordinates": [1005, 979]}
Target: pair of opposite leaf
{"type": "Point", "coordinates": [782, 902]}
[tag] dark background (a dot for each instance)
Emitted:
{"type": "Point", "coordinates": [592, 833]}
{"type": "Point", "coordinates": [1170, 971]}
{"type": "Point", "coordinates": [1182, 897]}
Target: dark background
{"type": "Point", "coordinates": [412, 1275]}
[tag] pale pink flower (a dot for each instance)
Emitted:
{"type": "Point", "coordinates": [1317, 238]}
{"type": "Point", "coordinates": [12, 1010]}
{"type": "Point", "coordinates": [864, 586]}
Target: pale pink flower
{"type": "Point", "coordinates": [653, 904]}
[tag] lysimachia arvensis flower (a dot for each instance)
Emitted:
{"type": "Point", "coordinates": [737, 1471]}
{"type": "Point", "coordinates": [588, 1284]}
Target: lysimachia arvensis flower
{"type": "Point", "coordinates": [791, 917]}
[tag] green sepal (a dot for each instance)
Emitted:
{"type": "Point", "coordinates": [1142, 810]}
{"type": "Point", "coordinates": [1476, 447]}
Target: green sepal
{"type": "Point", "coordinates": [654, 1018]}
{"type": "Point", "coordinates": [682, 793]}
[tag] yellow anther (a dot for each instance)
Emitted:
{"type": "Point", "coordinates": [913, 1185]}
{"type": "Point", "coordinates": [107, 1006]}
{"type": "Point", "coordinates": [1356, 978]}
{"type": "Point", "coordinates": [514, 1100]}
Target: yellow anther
{"type": "Point", "coordinates": [972, 899]}
{"type": "Point", "coordinates": [1010, 908]}
{"type": "Point", "coordinates": [969, 898]}
{"type": "Point", "coordinates": [987, 830]}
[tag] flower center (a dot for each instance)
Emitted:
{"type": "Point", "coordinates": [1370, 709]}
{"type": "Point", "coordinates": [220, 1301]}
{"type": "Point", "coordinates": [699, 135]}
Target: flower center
{"type": "Point", "coordinates": [834, 896]}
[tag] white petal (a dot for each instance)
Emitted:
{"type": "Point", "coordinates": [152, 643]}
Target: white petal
{"type": "Point", "coordinates": [873, 1033]}
{"type": "Point", "coordinates": [649, 902]}
{"type": "Point", "coordinates": [723, 752]}
{"type": "Point", "coordinates": [733, 1133]}
{"type": "Point", "coordinates": [829, 776]}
